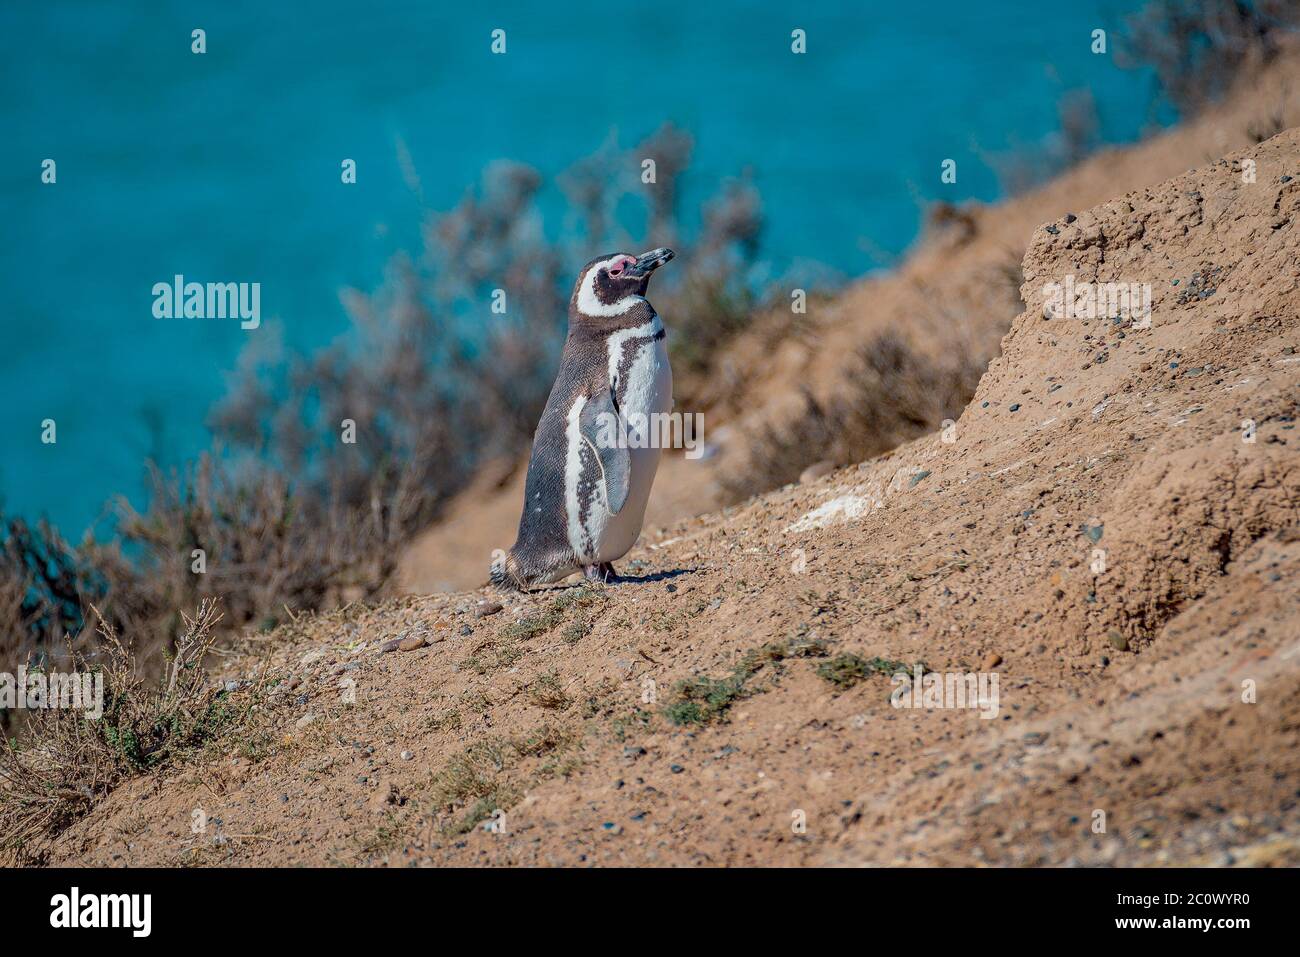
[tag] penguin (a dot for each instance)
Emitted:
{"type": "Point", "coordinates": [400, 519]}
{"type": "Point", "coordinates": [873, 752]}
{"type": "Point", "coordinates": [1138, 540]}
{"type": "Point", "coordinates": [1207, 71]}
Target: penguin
{"type": "Point", "coordinates": [591, 467]}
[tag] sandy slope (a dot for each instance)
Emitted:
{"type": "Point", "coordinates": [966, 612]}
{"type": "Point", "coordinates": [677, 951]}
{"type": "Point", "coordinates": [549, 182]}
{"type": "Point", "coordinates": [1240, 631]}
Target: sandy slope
{"type": "Point", "coordinates": [953, 297]}
{"type": "Point", "coordinates": [1121, 687]}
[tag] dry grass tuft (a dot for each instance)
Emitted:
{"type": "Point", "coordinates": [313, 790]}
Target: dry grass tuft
{"type": "Point", "coordinates": [68, 760]}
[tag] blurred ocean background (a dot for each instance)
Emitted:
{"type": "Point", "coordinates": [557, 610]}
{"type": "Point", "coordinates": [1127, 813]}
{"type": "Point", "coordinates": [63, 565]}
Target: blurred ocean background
{"type": "Point", "coordinates": [225, 166]}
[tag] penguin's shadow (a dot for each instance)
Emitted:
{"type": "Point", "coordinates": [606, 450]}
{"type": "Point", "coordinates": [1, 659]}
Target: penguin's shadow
{"type": "Point", "coordinates": [652, 577]}
{"type": "Point", "coordinates": [628, 579]}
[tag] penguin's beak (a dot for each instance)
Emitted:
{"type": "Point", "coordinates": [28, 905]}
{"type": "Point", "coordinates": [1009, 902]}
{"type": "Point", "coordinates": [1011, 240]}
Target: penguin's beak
{"type": "Point", "coordinates": [647, 263]}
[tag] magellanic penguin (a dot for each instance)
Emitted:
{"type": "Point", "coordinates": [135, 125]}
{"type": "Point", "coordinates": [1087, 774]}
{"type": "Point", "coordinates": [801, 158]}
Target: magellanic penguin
{"type": "Point", "coordinates": [585, 495]}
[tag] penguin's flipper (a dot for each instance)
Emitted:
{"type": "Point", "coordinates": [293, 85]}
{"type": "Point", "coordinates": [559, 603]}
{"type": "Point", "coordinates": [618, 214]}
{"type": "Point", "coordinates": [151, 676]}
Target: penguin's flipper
{"type": "Point", "coordinates": [601, 427]}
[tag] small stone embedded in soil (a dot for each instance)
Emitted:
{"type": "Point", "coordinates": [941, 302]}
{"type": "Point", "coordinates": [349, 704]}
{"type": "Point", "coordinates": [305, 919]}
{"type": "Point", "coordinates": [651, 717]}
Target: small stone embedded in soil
{"type": "Point", "coordinates": [412, 643]}
{"type": "Point", "coordinates": [305, 720]}
{"type": "Point", "coordinates": [991, 661]}
{"type": "Point", "coordinates": [815, 471]}
{"type": "Point", "coordinates": [1117, 641]}
{"type": "Point", "coordinates": [486, 607]}
{"type": "Point", "coordinates": [407, 755]}
{"type": "Point", "coordinates": [676, 769]}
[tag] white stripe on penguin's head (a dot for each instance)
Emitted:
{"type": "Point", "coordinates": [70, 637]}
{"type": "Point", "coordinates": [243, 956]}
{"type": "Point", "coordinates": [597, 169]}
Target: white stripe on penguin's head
{"type": "Point", "coordinates": [589, 304]}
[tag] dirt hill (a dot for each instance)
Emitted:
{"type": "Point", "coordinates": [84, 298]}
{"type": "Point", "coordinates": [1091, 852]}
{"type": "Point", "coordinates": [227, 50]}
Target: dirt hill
{"type": "Point", "coordinates": [1111, 526]}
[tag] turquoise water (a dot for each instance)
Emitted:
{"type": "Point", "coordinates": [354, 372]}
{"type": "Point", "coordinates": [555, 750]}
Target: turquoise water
{"type": "Point", "coordinates": [225, 166]}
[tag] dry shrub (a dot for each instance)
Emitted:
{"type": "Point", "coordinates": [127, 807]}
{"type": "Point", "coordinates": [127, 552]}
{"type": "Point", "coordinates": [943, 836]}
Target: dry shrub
{"type": "Point", "coordinates": [69, 761]}
{"type": "Point", "coordinates": [43, 580]}
{"type": "Point", "coordinates": [892, 394]}
{"type": "Point", "coordinates": [1197, 48]}
{"type": "Point", "coordinates": [265, 544]}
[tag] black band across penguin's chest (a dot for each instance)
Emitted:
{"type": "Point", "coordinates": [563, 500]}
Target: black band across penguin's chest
{"type": "Point", "coordinates": [631, 353]}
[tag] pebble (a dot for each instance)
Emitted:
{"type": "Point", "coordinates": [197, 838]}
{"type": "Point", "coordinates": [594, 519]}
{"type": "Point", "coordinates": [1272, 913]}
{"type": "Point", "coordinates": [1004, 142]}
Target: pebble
{"type": "Point", "coordinates": [1117, 641]}
{"type": "Point", "coordinates": [815, 471]}
{"type": "Point", "coordinates": [407, 755]}
{"type": "Point", "coordinates": [385, 794]}
{"type": "Point", "coordinates": [404, 643]}
{"type": "Point", "coordinates": [486, 607]}
{"type": "Point", "coordinates": [991, 661]}
{"type": "Point", "coordinates": [305, 720]}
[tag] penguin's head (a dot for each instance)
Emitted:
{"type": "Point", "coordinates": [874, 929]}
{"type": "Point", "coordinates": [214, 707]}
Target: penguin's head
{"type": "Point", "coordinates": [610, 285]}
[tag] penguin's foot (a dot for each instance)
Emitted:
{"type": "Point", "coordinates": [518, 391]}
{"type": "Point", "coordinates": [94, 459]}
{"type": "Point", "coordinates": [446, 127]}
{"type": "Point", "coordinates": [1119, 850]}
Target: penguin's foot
{"type": "Point", "coordinates": [603, 573]}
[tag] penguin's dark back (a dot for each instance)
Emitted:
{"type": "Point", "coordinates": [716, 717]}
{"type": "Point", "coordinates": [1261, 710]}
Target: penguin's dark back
{"type": "Point", "coordinates": [583, 371]}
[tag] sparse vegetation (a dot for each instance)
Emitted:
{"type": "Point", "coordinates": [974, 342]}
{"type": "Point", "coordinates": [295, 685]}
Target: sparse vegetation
{"type": "Point", "coordinates": [550, 617]}
{"type": "Point", "coordinates": [70, 760]}
{"type": "Point", "coordinates": [702, 699]}
{"type": "Point", "coordinates": [488, 775]}
{"type": "Point", "coordinates": [846, 670]}
{"type": "Point", "coordinates": [548, 692]}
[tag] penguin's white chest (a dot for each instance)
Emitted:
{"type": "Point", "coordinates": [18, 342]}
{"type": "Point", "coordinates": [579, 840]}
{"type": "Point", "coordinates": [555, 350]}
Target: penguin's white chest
{"type": "Point", "coordinates": [643, 382]}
